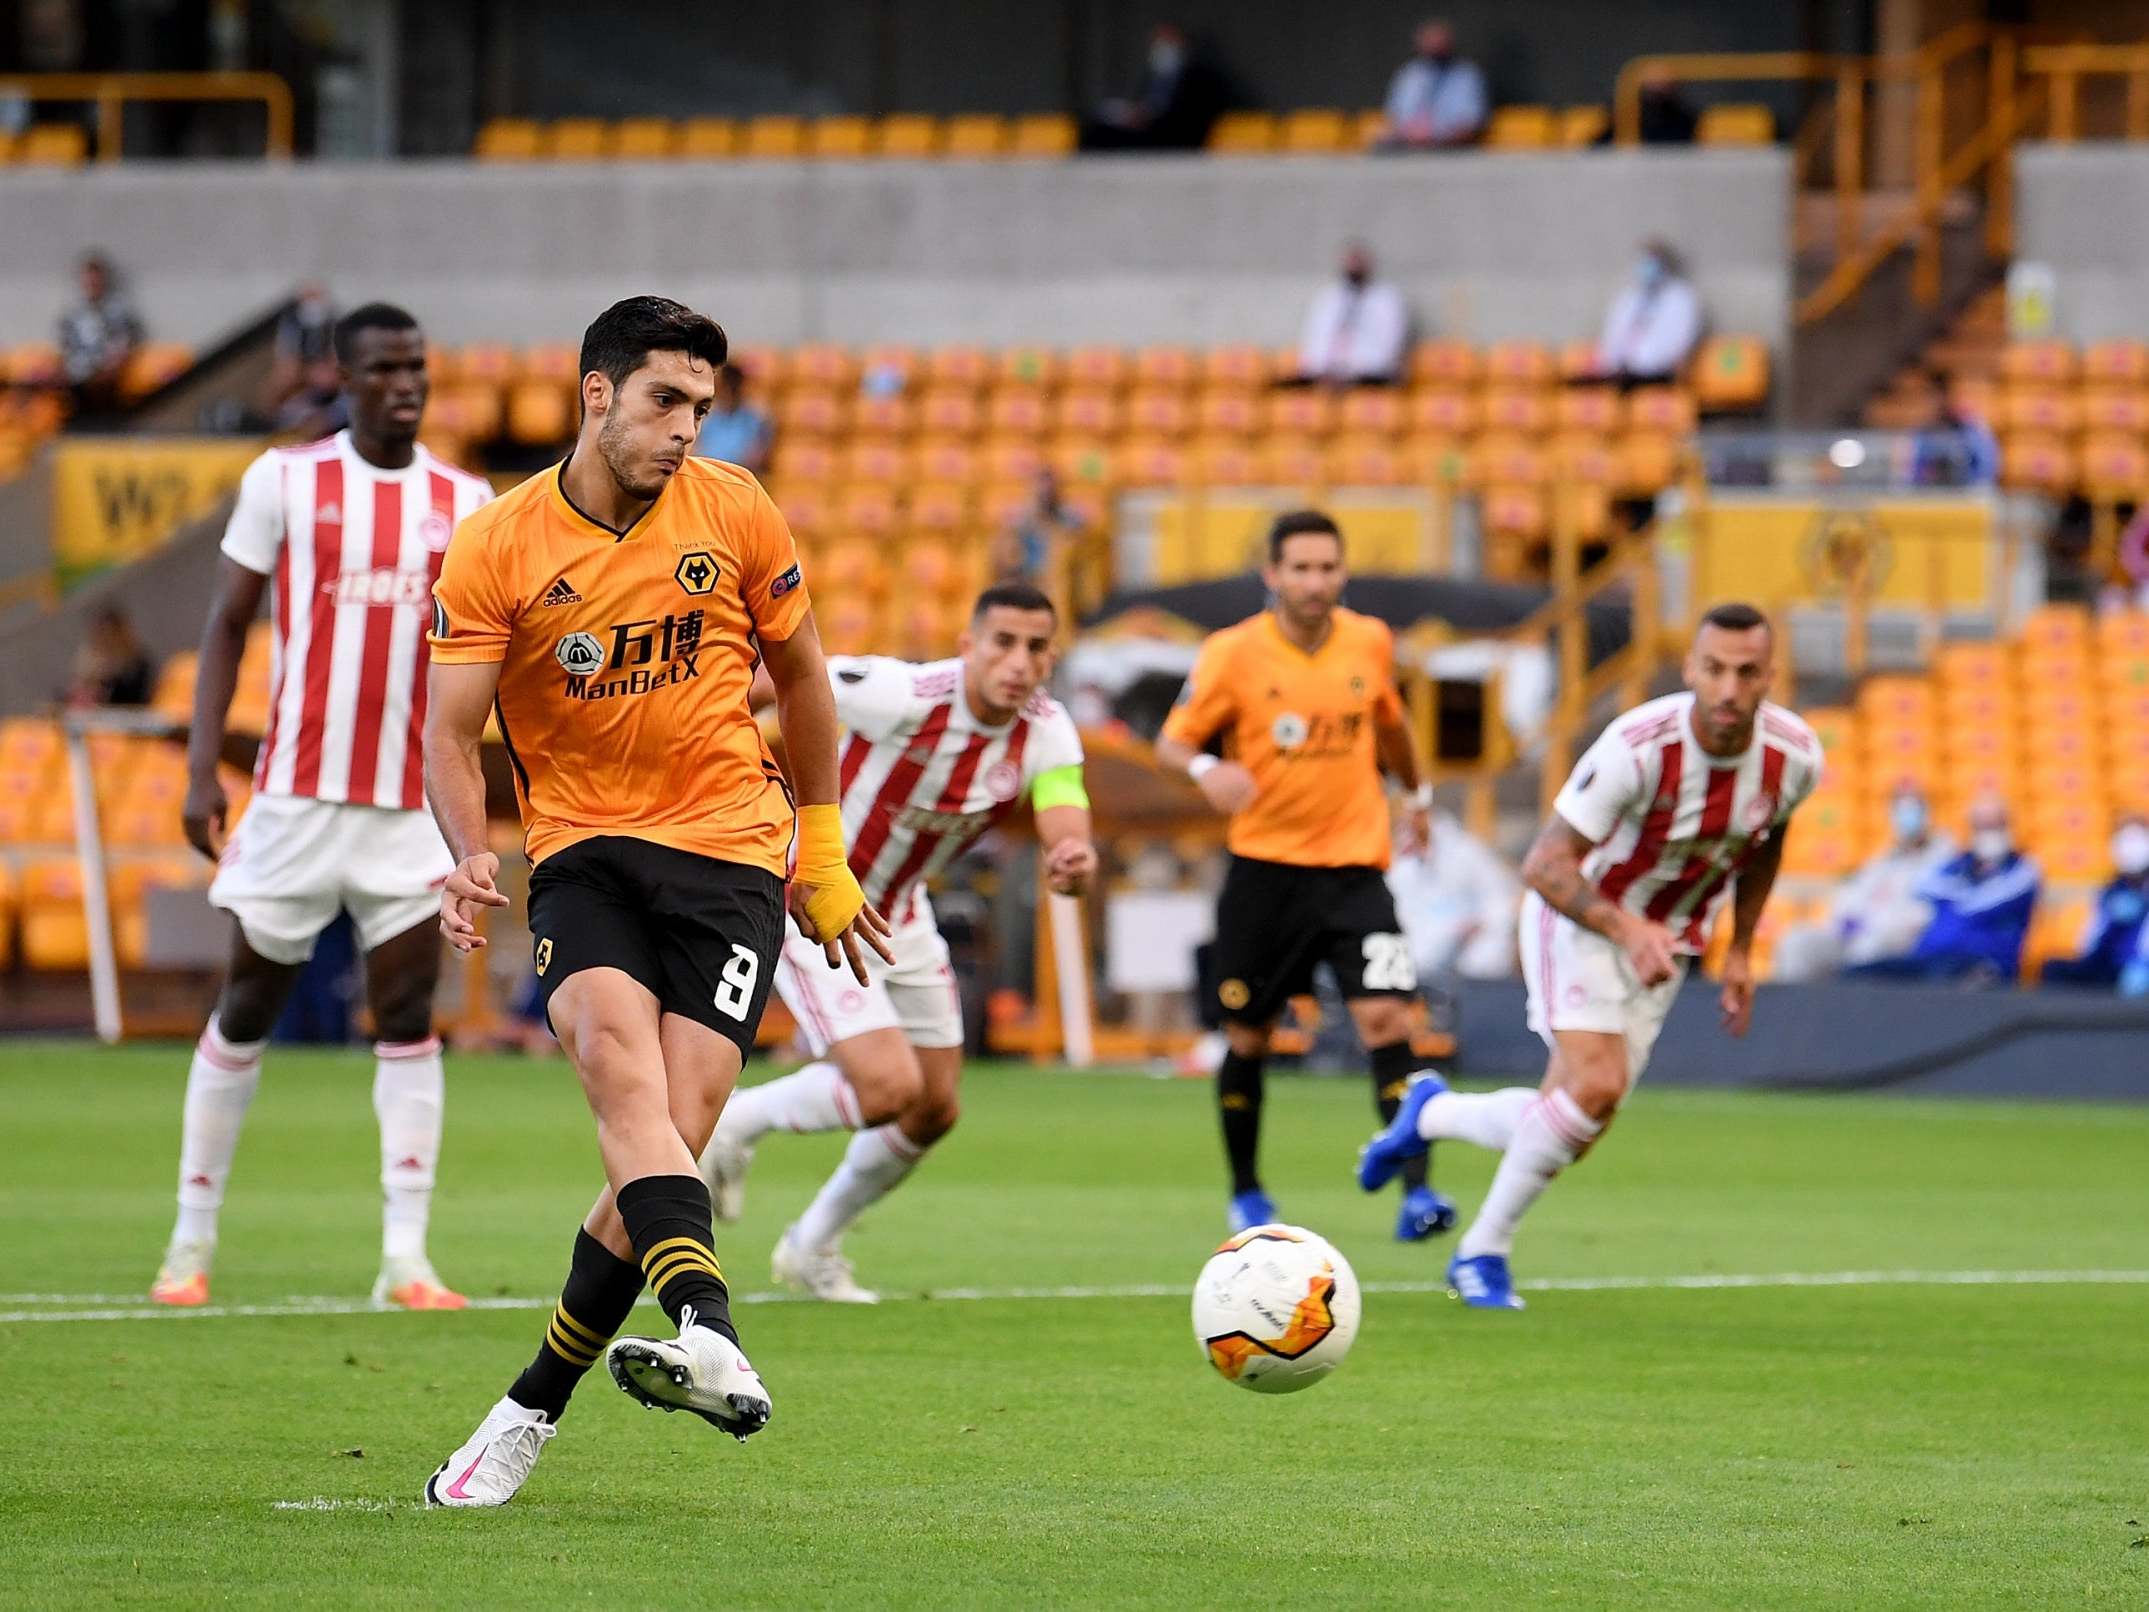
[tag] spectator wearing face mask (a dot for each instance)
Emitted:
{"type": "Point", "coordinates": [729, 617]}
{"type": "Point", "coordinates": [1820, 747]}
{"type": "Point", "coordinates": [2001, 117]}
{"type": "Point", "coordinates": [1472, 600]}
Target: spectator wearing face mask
{"type": "Point", "coordinates": [1653, 324]}
{"type": "Point", "coordinates": [1356, 328]}
{"type": "Point", "coordinates": [1435, 100]}
{"type": "Point", "coordinates": [1177, 102]}
{"type": "Point", "coordinates": [2116, 952]}
{"type": "Point", "coordinates": [1877, 912]}
{"type": "Point", "coordinates": [1981, 901]}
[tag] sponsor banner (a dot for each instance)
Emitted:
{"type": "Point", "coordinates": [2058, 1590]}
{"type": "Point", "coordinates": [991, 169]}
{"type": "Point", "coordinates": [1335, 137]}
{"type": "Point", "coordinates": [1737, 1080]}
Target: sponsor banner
{"type": "Point", "coordinates": [115, 499]}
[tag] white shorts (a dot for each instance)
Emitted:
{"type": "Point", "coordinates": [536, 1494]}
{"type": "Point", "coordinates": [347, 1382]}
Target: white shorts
{"type": "Point", "coordinates": [294, 862]}
{"type": "Point", "coordinates": [915, 994]}
{"type": "Point", "coordinates": [1578, 980]}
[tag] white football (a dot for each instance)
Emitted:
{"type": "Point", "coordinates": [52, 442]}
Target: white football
{"type": "Point", "coordinates": [1275, 1309]}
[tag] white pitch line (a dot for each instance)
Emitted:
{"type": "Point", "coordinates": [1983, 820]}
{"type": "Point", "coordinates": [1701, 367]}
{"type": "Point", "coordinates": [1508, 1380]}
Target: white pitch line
{"type": "Point", "coordinates": [303, 1306]}
{"type": "Point", "coordinates": [322, 1502]}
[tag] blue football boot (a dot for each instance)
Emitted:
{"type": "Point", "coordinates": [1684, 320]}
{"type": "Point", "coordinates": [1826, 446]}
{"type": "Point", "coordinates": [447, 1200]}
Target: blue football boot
{"type": "Point", "coordinates": [1254, 1208]}
{"type": "Point", "coordinates": [1426, 1213]}
{"type": "Point", "coordinates": [1399, 1141]}
{"type": "Point", "coordinates": [1483, 1282]}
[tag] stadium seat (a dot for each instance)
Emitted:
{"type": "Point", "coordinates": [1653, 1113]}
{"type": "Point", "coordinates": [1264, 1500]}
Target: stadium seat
{"type": "Point", "coordinates": [1088, 412]}
{"type": "Point", "coordinates": [1521, 128]}
{"type": "Point", "coordinates": [807, 509]}
{"type": "Point", "coordinates": [800, 461]}
{"type": "Point", "coordinates": [1228, 413]}
{"type": "Point", "coordinates": [31, 363]}
{"type": "Point", "coordinates": [1987, 665]}
{"type": "Point", "coordinates": [949, 411]}
{"type": "Point", "coordinates": [1225, 461]}
{"type": "Point", "coordinates": [2114, 466]}
{"type": "Point", "coordinates": [1164, 366]}
{"type": "Point", "coordinates": [1731, 374]}
{"type": "Point", "coordinates": [576, 140]}
{"type": "Point", "coordinates": [1444, 364]}
{"type": "Point", "coordinates": [2115, 408]}
{"type": "Point", "coordinates": [1660, 408]}
{"type": "Point", "coordinates": [1738, 123]}
{"type": "Point", "coordinates": [1022, 411]}
{"type": "Point", "coordinates": [976, 134]}
{"type": "Point", "coordinates": [1366, 461]}
{"type": "Point", "coordinates": [1315, 131]}
{"type": "Point", "coordinates": [2036, 462]}
{"type": "Point", "coordinates": [880, 461]}
{"type": "Point", "coordinates": [540, 413]}
{"type": "Point", "coordinates": [869, 509]}
{"type": "Point", "coordinates": [1028, 366]}
{"type": "Point", "coordinates": [1237, 364]}
{"type": "Point", "coordinates": [886, 415]}
{"type": "Point", "coordinates": [701, 139]}
{"type": "Point", "coordinates": [1649, 461]}
{"type": "Point", "coordinates": [52, 145]}
{"type": "Point", "coordinates": [555, 361]}
{"type": "Point", "coordinates": [958, 365]}
{"type": "Point", "coordinates": [945, 459]}
{"type": "Point", "coordinates": [839, 137]}
{"type": "Point", "coordinates": [1583, 126]}
{"type": "Point", "coordinates": [1013, 459]}
{"type": "Point", "coordinates": [1153, 462]}
{"type": "Point", "coordinates": [2117, 363]}
{"type": "Point", "coordinates": [471, 413]}
{"type": "Point", "coordinates": [942, 508]}
{"type": "Point", "coordinates": [1159, 411]}
{"type": "Point", "coordinates": [1049, 134]}
{"type": "Point", "coordinates": [1292, 461]}
{"type": "Point", "coordinates": [1586, 408]}
{"type": "Point", "coordinates": [1518, 363]}
{"type": "Point", "coordinates": [1096, 366]}
{"type": "Point", "coordinates": [773, 137]}
{"type": "Point", "coordinates": [908, 134]}
{"type": "Point", "coordinates": [824, 364]}
{"type": "Point", "coordinates": [2055, 628]}
{"type": "Point", "coordinates": [509, 140]}
{"type": "Point", "coordinates": [1084, 462]}
{"type": "Point", "coordinates": [1378, 410]}
{"type": "Point", "coordinates": [1243, 133]}
{"type": "Point", "coordinates": [1586, 459]}
{"type": "Point", "coordinates": [644, 139]}
{"type": "Point", "coordinates": [2039, 406]}
{"type": "Point", "coordinates": [2047, 362]}
{"type": "Point", "coordinates": [1308, 412]}
{"type": "Point", "coordinates": [1444, 411]}
{"type": "Point", "coordinates": [1525, 410]}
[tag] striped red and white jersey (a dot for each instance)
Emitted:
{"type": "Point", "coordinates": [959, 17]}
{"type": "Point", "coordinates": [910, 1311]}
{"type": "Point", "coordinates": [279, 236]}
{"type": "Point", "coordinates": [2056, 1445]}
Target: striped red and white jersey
{"type": "Point", "coordinates": [354, 551]}
{"type": "Point", "coordinates": [1672, 824]}
{"type": "Point", "coordinates": [923, 777]}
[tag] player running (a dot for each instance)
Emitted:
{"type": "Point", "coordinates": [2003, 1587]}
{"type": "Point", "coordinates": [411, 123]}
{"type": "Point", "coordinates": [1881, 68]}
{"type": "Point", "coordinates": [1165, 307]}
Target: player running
{"type": "Point", "coordinates": [352, 529]}
{"type": "Point", "coordinates": [1679, 801]}
{"type": "Point", "coordinates": [611, 610]}
{"type": "Point", "coordinates": [937, 754]}
{"type": "Point", "coordinates": [1304, 698]}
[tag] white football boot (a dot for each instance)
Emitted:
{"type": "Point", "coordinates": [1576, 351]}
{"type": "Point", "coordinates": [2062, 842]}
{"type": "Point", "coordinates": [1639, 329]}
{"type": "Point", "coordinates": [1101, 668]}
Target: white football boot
{"type": "Point", "coordinates": [724, 1163]}
{"type": "Point", "coordinates": [820, 1273]}
{"type": "Point", "coordinates": [413, 1284]}
{"type": "Point", "coordinates": [701, 1371]}
{"type": "Point", "coordinates": [492, 1465]}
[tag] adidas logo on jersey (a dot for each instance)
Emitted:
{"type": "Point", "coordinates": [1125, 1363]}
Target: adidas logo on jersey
{"type": "Point", "coordinates": [561, 592]}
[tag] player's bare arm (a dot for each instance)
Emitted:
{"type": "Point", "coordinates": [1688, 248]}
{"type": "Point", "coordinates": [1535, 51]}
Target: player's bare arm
{"type": "Point", "coordinates": [458, 699]}
{"type": "Point", "coordinates": [1749, 898]}
{"type": "Point", "coordinates": [825, 898]}
{"type": "Point", "coordinates": [1070, 854]}
{"type": "Point", "coordinates": [1397, 749]}
{"type": "Point", "coordinates": [223, 643]}
{"type": "Point", "coordinates": [1553, 868]}
{"type": "Point", "coordinates": [1227, 786]}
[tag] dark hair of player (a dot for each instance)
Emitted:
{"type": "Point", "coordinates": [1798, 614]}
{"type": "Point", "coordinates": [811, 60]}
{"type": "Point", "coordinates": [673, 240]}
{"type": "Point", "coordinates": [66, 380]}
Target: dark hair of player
{"type": "Point", "coordinates": [1735, 616]}
{"type": "Point", "coordinates": [1013, 595]}
{"type": "Point", "coordinates": [620, 340]}
{"type": "Point", "coordinates": [1297, 523]}
{"type": "Point", "coordinates": [367, 316]}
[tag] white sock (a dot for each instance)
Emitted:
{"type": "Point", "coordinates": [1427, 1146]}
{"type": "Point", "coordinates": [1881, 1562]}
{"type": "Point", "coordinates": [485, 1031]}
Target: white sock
{"type": "Point", "coordinates": [1485, 1118]}
{"type": "Point", "coordinates": [409, 1093]}
{"type": "Point", "coordinates": [1552, 1132]}
{"type": "Point", "coordinates": [815, 1098]}
{"type": "Point", "coordinates": [220, 1086]}
{"type": "Point", "coordinates": [872, 1165]}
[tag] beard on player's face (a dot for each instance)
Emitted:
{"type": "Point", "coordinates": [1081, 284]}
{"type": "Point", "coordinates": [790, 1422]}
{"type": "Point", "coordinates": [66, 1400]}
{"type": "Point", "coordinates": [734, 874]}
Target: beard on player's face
{"type": "Point", "coordinates": [636, 475]}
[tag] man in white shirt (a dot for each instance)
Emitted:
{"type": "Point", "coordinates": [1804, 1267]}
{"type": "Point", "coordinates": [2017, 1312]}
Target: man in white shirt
{"type": "Point", "coordinates": [1356, 328]}
{"type": "Point", "coordinates": [1877, 912]}
{"type": "Point", "coordinates": [1434, 100]}
{"type": "Point", "coordinates": [1458, 901]}
{"type": "Point", "coordinates": [1654, 323]}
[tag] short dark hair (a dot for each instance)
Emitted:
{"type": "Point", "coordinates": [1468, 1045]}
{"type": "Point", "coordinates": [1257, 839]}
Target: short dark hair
{"type": "Point", "coordinates": [1297, 523]}
{"type": "Point", "coordinates": [367, 316]}
{"type": "Point", "coordinates": [1735, 616]}
{"type": "Point", "coordinates": [620, 340]}
{"type": "Point", "coordinates": [1014, 594]}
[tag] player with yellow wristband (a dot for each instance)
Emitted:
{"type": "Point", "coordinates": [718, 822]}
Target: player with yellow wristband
{"type": "Point", "coordinates": [935, 755]}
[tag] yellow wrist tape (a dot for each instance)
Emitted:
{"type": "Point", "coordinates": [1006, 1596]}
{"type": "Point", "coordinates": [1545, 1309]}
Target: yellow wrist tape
{"type": "Point", "coordinates": [824, 871]}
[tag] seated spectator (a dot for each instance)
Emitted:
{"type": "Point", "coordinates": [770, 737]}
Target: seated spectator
{"type": "Point", "coordinates": [2116, 952]}
{"type": "Point", "coordinates": [1434, 100]}
{"type": "Point", "coordinates": [1653, 325]}
{"type": "Point", "coordinates": [1029, 548]}
{"type": "Point", "coordinates": [736, 431]}
{"type": "Point", "coordinates": [1178, 101]}
{"type": "Point", "coordinates": [112, 667]}
{"type": "Point", "coordinates": [1877, 912]}
{"type": "Point", "coordinates": [317, 408]}
{"type": "Point", "coordinates": [1981, 904]}
{"type": "Point", "coordinates": [1357, 328]}
{"type": "Point", "coordinates": [1957, 449]}
{"type": "Point", "coordinates": [304, 339]}
{"type": "Point", "coordinates": [1458, 902]}
{"type": "Point", "coordinates": [97, 337]}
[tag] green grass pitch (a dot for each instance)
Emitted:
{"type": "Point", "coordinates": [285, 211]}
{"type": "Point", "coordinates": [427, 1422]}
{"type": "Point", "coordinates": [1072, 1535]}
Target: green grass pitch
{"type": "Point", "coordinates": [1882, 1444]}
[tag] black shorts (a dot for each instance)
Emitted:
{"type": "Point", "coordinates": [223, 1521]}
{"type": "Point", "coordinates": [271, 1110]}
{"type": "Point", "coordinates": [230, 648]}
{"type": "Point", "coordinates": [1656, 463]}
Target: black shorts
{"type": "Point", "coordinates": [701, 934]}
{"type": "Point", "coordinates": [1274, 922]}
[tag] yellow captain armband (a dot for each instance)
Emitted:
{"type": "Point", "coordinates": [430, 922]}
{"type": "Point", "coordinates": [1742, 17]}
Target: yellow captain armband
{"type": "Point", "coordinates": [1062, 786]}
